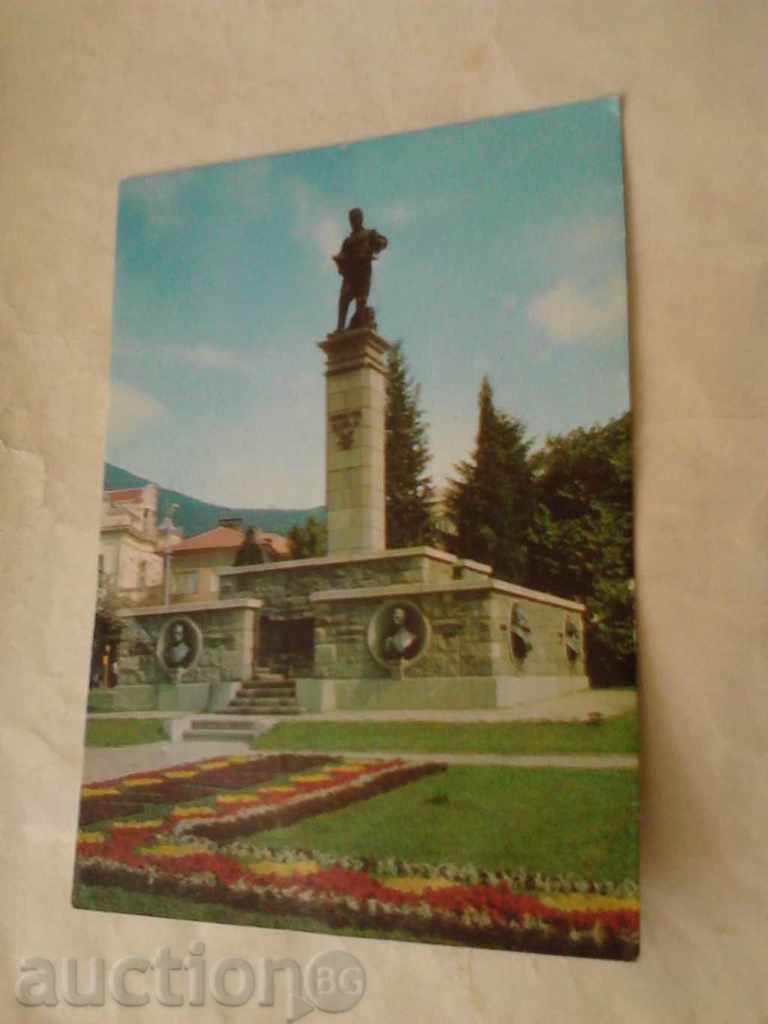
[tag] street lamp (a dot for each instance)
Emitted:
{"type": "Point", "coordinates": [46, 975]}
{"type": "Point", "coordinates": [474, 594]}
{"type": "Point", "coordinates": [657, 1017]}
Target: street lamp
{"type": "Point", "coordinates": [167, 528]}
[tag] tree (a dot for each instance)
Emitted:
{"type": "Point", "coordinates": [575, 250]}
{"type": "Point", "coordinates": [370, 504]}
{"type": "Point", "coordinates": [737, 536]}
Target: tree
{"type": "Point", "coordinates": [408, 487]}
{"type": "Point", "coordinates": [309, 540]}
{"type": "Point", "coordinates": [107, 630]}
{"type": "Point", "coordinates": [492, 501]}
{"type": "Point", "coordinates": [581, 539]}
{"type": "Point", "coordinates": [249, 552]}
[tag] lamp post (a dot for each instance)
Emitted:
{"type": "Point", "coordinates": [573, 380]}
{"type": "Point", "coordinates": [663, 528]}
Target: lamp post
{"type": "Point", "coordinates": [167, 528]}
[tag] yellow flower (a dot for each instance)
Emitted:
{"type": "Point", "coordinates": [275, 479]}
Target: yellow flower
{"type": "Point", "coordinates": [277, 789]}
{"type": "Point", "coordinates": [588, 901]}
{"type": "Point", "coordinates": [192, 812]}
{"type": "Point", "coordinates": [212, 765]}
{"type": "Point", "coordinates": [90, 837]}
{"type": "Point", "coordinates": [102, 791]}
{"type": "Point", "coordinates": [235, 798]}
{"type": "Point", "coordinates": [145, 781]}
{"type": "Point", "coordinates": [180, 773]}
{"type": "Point", "coordinates": [310, 778]}
{"type": "Point", "coordinates": [149, 823]}
{"type": "Point", "coordinates": [239, 759]}
{"type": "Point", "coordinates": [417, 885]}
{"type": "Point", "coordinates": [271, 867]}
{"type": "Point", "coordinates": [175, 850]}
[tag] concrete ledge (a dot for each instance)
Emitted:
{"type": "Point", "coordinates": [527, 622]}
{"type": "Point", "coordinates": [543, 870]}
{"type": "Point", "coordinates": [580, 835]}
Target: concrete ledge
{"type": "Point", "coordinates": [368, 556]}
{"type": "Point", "coordinates": [432, 692]}
{"type": "Point", "coordinates": [511, 690]}
{"type": "Point", "coordinates": [173, 697]}
{"type": "Point", "coordinates": [449, 587]}
{"type": "Point", "coordinates": [183, 608]}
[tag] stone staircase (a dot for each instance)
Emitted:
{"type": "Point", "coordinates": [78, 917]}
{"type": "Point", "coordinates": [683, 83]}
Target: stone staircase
{"type": "Point", "coordinates": [229, 728]}
{"type": "Point", "coordinates": [267, 693]}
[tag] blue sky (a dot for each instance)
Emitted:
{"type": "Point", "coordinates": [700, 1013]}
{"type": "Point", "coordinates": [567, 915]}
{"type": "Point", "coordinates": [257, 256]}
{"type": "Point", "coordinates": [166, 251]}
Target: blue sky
{"type": "Point", "coordinates": [506, 256]}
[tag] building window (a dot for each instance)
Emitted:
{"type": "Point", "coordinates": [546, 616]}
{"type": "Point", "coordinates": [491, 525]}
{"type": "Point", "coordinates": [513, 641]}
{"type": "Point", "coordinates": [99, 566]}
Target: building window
{"type": "Point", "coordinates": [186, 583]}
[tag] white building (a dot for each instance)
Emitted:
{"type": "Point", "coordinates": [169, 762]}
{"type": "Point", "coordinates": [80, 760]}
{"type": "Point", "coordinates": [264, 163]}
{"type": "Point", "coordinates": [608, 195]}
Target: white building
{"type": "Point", "coordinates": [130, 550]}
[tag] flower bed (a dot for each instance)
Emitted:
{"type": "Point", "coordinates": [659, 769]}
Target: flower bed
{"type": "Point", "coordinates": [204, 852]}
{"type": "Point", "coordinates": [126, 795]}
{"type": "Point", "coordinates": [284, 805]}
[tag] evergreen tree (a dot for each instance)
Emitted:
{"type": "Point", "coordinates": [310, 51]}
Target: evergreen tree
{"type": "Point", "coordinates": [309, 540]}
{"type": "Point", "coordinates": [249, 552]}
{"type": "Point", "coordinates": [581, 540]}
{"type": "Point", "coordinates": [408, 488]}
{"type": "Point", "coordinates": [492, 502]}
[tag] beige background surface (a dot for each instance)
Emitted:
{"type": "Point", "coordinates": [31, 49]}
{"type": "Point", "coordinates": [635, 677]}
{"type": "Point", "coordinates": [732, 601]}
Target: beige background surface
{"type": "Point", "coordinates": [94, 91]}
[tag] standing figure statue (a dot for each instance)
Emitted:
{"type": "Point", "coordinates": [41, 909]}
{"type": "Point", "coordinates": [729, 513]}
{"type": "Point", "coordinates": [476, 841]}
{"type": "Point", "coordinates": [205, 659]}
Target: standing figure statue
{"type": "Point", "coordinates": [360, 248]}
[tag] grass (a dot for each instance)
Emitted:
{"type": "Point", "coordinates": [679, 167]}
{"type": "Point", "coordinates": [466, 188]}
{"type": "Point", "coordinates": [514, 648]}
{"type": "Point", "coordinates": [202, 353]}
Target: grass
{"type": "Point", "coordinates": [123, 732]}
{"type": "Point", "coordinates": [550, 820]}
{"type": "Point", "coordinates": [119, 901]}
{"type": "Point", "coordinates": [617, 735]}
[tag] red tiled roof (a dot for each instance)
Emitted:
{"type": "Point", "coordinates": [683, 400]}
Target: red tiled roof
{"type": "Point", "coordinates": [212, 540]}
{"type": "Point", "coordinates": [129, 494]}
{"type": "Point", "coordinates": [222, 537]}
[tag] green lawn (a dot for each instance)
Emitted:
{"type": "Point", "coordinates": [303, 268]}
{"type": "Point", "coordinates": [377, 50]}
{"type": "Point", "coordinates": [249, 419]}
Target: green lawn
{"type": "Point", "coordinates": [548, 820]}
{"type": "Point", "coordinates": [120, 901]}
{"type": "Point", "coordinates": [611, 736]}
{"type": "Point", "coordinates": [123, 732]}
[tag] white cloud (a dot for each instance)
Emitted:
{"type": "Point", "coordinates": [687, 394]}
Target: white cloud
{"type": "Point", "coordinates": [315, 225]}
{"type": "Point", "coordinates": [572, 313]}
{"type": "Point", "coordinates": [205, 356]}
{"type": "Point", "coordinates": [325, 234]}
{"type": "Point", "coordinates": [130, 409]}
{"type": "Point", "coordinates": [397, 215]}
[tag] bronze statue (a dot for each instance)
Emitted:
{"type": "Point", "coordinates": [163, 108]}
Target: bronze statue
{"type": "Point", "coordinates": [360, 248]}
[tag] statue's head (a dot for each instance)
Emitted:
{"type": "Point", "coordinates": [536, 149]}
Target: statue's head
{"type": "Point", "coordinates": [177, 632]}
{"type": "Point", "coordinates": [356, 218]}
{"type": "Point", "coordinates": [398, 616]}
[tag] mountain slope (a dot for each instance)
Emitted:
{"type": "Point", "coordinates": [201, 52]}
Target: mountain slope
{"type": "Point", "coordinates": [194, 516]}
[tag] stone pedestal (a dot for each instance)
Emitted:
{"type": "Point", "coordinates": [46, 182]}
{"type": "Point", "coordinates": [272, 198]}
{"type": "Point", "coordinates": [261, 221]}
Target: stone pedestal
{"type": "Point", "coordinates": [354, 448]}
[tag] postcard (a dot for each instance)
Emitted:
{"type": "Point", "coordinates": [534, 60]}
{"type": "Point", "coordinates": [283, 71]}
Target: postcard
{"type": "Point", "coordinates": [364, 645]}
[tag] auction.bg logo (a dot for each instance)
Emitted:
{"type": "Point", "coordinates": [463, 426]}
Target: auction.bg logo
{"type": "Point", "coordinates": [332, 982]}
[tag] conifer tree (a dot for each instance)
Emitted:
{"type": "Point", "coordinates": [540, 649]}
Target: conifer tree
{"type": "Point", "coordinates": [492, 501]}
{"type": "Point", "coordinates": [408, 487]}
{"type": "Point", "coordinates": [309, 540]}
{"type": "Point", "coordinates": [249, 552]}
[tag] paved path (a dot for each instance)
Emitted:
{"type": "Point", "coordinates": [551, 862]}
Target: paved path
{"type": "Point", "coordinates": [598, 761]}
{"type": "Point", "coordinates": [110, 762]}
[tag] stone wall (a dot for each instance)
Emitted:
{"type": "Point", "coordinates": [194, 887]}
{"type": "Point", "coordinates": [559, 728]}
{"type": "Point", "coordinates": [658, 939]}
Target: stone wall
{"type": "Point", "coordinates": [285, 587]}
{"type": "Point", "coordinates": [459, 645]}
{"type": "Point", "coordinates": [229, 644]}
{"type": "Point", "coordinates": [548, 655]}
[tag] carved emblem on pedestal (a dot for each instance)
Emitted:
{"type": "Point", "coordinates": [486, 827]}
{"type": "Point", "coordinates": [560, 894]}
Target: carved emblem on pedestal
{"type": "Point", "coordinates": [344, 424]}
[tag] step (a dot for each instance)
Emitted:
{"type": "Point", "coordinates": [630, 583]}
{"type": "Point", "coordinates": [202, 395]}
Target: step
{"type": "Point", "coordinates": [280, 709]}
{"type": "Point", "coordinates": [239, 707]}
{"type": "Point", "coordinates": [232, 733]}
{"type": "Point", "coordinates": [212, 723]}
{"type": "Point", "coordinates": [265, 691]}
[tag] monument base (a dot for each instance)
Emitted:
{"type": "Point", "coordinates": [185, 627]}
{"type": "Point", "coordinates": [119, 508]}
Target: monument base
{"type": "Point", "coordinates": [432, 693]}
